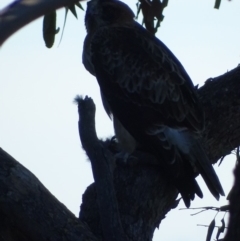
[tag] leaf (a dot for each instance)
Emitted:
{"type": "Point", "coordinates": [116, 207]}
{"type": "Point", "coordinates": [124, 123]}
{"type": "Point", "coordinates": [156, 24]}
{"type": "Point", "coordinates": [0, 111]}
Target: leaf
{"type": "Point", "coordinates": [164, 3]}
{"type": "Point", "coordinates": [151, 11]}
{"type": "Point", "coordinates": [210, 230]}
{"type": "Point", "coordinates": [65, 19]}
{"type": "Point", "coordinates": [79, 5]}
{"type": "Point", "coordinates": [138, 9]}
{"type": "Point", "coordinates": [221, 229]}
{"type": "Point", "coordinates": [49, 28]}
{"type": "Point", "coordinates": [73, 10]}
{"type": "Point", "coordinates": [217, 4]}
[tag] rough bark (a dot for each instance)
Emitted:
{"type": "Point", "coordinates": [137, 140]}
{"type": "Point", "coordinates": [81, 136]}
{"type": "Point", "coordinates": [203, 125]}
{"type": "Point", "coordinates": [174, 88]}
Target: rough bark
{"type": "Point", "coordinates": [142, 193]}
{"type": "Point", "coordinates": [102, 167]}
{"type": "Point", "coordinates": [220, 97]}
{"type": "Point", "coordinates": [28, 211]}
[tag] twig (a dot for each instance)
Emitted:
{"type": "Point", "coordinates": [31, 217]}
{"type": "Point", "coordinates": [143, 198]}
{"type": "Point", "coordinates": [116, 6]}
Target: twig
{"type": "Point", "coordinates": [203, 225]}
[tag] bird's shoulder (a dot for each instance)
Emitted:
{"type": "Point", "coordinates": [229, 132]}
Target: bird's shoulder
{"type": "Point", "coordinates": [132, 46]}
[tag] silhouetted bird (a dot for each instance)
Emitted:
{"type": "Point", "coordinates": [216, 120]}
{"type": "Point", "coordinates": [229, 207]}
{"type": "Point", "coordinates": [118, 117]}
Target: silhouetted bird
{"type": "Point", "coordinates": [149, 95]}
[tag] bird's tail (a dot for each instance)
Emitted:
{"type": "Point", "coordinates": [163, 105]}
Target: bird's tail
{"type": "Point", "coordinates": [206, 170]}
{"type": "Point", "coordinates": [184, 159]}
{"type": "Point", "coordinates": [197, 162]}
{"type": "Point", "coordinates": [188, 187]}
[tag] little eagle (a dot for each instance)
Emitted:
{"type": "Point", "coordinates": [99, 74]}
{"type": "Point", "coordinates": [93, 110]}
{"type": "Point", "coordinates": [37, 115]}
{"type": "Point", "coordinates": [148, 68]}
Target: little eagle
{"type": "Point", "coordinates": [149, 95]}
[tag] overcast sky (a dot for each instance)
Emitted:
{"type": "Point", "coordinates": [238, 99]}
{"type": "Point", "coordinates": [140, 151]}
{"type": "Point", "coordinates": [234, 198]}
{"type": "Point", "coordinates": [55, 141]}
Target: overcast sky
{"type": "Point", "coordinates": [38, 121]}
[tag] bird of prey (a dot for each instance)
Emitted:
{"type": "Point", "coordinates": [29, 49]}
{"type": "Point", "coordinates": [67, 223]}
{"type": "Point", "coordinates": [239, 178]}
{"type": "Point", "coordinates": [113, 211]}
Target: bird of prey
{"type": "Point", "coordinates": [149, 95]}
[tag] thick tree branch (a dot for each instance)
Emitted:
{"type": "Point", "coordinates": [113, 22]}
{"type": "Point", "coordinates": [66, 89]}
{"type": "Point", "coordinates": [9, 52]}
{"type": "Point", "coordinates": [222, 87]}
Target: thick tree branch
{"type": "Point", "coordinates": [28, 211]}
{"type": "Point", "coordinates": [20, 13]}
{"type": "Point", "coordinates": [144, 197]}
{"type": "Point", "coordinates": [221, 101]}
{"type": "Point", "coordinates": [102, 166]}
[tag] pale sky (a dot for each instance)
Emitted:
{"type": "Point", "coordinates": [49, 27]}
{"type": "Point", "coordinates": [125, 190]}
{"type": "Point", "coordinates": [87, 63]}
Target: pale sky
{"type": "Point", "coordinates": [38, 121]}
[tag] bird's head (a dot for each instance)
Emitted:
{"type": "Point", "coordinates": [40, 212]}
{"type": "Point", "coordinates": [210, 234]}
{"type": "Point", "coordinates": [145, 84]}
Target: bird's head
{"type": "Point", "coordinates": [107, 12]}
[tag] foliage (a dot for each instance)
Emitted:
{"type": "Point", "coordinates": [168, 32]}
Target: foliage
{"type": "Point", "coordinates": [49, 24]}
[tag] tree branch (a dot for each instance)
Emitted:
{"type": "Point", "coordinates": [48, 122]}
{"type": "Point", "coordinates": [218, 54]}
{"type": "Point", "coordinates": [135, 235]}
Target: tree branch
{"type": "Point", "coordinates": [102, 162]}
{"type": "Point", "coordinates": [28, 211]}
{"type": "Point", "coordinates": [220, 97]}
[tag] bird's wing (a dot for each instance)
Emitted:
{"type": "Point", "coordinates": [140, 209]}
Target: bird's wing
{"type": "Point", "coordinates": [138, 66]}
